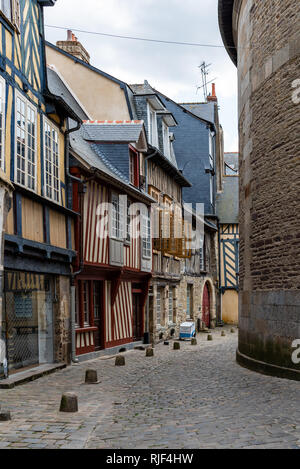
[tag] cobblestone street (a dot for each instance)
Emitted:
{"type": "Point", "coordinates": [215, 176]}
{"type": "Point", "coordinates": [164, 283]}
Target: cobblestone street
{"type": "Point", "coordinates": [197, 397]}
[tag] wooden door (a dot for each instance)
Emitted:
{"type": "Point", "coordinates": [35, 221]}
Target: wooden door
{"type": "Point", "coordinates": [206, 306]}
{"type": "Point", "coordinates": [137, 317]}
{"type": "Point", "coordinates": [98, 314]}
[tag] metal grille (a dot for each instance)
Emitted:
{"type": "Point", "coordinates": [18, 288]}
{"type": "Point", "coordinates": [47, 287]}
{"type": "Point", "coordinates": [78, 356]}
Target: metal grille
{"type": "Point", "coordinates": [28, 308]}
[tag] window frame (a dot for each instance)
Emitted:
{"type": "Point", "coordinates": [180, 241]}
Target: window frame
{"type": "Point", "coordinates": [3, 4]}
{"type": "Point", "coordinates": [146, 236]}
{"type": "Point", "coordinates": [134, 170]}
{"type": "Point", "coordinates": [189, 301]}
{"type": "Point", "coordinates": [28, 105]}
{"type": "Point", "coordinates": [153, 130]}
{"type": "Point", "coordinates": [2, 129]}
{"type": "Point", "coordinates": [159, 295]}
{"type": "Point", "coordinates": [116, 233]}
{"type": "Point", "coordinates": [171, 298]}
{"type": "Point", "coordinates": [53, 127]}
{"type": "Point", "coordinates": [166, 140]}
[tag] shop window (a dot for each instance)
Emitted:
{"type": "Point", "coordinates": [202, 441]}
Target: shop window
{"type": "Point", "coordinates": [86, 303]}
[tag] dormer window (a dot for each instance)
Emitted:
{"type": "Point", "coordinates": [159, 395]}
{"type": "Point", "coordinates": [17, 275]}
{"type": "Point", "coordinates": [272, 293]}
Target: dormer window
{"type": "Point", "coordinates": [166, 139]}
{"type": "Point", "coordinates": [152, 120]}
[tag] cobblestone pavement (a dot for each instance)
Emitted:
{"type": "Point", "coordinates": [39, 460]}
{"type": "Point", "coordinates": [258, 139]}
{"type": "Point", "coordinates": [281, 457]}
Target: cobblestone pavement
{"type": "Point", "coordinates": [197, 397]}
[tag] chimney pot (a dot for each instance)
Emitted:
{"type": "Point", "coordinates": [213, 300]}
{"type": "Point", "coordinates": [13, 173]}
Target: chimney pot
{"type": "Point", "coordinates": [69, 36]}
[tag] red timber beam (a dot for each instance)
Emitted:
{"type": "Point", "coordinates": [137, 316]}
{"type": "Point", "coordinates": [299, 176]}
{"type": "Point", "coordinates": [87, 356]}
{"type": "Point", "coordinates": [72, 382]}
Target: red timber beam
{"type": "Point", "coordinates": [115, 285]}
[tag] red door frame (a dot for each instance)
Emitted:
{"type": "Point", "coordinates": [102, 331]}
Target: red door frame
{"type": "Point", "coordinates": [206, 305]}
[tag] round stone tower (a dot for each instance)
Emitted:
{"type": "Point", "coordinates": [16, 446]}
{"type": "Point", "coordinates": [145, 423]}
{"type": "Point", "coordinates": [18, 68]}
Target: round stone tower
{"type": "Point", "coordinates": [263, 40]}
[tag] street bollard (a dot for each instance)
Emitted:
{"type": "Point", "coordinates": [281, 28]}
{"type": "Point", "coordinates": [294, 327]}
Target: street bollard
{"type": "Point", "coordinates": [176, 346]}
{"type": "Point", "coordinates": [150, 352]}
{"type": "Point", "coordinates": [5, 416]}
{"type": "Point", "coordinates": [120, 360]}
{"type": "Point", "coordinates": [91, 377]}
{"type": "Point", "coordinates": [209, 337]}
{"type": "Point", "coordinates": [194, 341]}
{"type": "Point", "coordinates": [69, 403]}
{"type": "Point", "coordinates": [223, 334]}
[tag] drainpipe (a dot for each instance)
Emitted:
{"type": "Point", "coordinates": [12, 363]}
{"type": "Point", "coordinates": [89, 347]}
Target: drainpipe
{"type": "Point", "coordinates": [147, 185]}
{"type": "Point", "coordinates": [73, 288]}
{"type": "Point", "coordinates": [220, 277]}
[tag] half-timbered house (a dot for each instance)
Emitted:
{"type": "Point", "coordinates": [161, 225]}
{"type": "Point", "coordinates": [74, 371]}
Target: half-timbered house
{"type": "Point", "coordinates": [39, 241]}
{"type": "Point", "coordinates": [113, 236]}
{"type": "Point", "coordinates": [228, 213]}
{"type": "Point", "coordinates": [164, 183]}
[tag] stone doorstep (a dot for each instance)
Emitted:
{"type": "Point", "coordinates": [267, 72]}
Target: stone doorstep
{"type": "Point", "coordinates": [30, 375]}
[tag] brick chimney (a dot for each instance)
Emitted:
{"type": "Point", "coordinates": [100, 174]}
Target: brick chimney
{"type": "Point", "coordinates": [212, 97]}
{"type": "Point", "coordinates": [74, 47]}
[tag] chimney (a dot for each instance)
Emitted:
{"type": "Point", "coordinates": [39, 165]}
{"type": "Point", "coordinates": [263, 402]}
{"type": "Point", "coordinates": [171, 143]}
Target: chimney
{"type": "Point", "coordinates": [213, 97]}
{"type": "Point", "coordinates": [74, 47]}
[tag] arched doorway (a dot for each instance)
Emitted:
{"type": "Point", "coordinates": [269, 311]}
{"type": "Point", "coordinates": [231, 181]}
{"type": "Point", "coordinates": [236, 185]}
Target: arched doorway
{"type": "Point", "coordinates": [206, 306]}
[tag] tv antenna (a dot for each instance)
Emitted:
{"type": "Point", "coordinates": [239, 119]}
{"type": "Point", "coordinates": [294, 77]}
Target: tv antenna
{"type": "Point", "coordinates": [204, 67]}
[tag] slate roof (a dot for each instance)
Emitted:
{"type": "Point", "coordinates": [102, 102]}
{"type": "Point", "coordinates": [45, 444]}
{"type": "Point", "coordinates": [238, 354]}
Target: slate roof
{"type": "Point", "coordinates": [203, 110]}
{"type": "Point", "coordinates": [228, 199]}
{"type": "Point", "coordinates": [58, 88]}
{"type": "Point", "coordinates": [92, 155]}
{"type": "Point", "coordinates": [116, 131]}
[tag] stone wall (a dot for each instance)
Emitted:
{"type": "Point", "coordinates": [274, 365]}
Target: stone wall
{"type": "Point", "coordinates": [268, 65]}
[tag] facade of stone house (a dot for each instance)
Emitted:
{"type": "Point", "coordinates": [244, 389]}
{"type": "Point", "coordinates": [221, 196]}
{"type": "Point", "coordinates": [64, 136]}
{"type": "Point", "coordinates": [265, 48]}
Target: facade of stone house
{"type": "Point", "coordinates": [198, 145]}
{"type": "Point", "coordinates": [268, 89]}
{"type": "Point", "coordinates": [38, 244]}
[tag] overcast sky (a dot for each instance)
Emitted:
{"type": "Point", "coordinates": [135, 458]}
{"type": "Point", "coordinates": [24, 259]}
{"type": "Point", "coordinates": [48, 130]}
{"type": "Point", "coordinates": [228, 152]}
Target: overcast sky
{"type": "Point", "coordinates": [172, 69]}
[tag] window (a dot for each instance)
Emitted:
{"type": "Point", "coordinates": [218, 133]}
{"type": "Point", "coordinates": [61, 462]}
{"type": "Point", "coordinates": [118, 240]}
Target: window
{"type": "Point", "coordinates": [128, 227]}
{"type": "Point", "coordinates": [2, 124]}
{"type": "Point", "coordinates": [146, 236]}
{"type": "Point", "coordinates": [26, 131]}
{"type": "Point", "coordinates": [11, 9]}
{"type": "Point", "coordinates": [76, 309]}
{"type": "Point", "coordinates": [5, 6]}
{"type": "Point", "coordinates": [166, 138]}
{"type": "Point", "coordinates": [86, 303]}
{"type": "Point", "coordinates": [152, 126]}
{"type": "Point", "coordinates": [116, 224]}
{"type": "Point", "coordinates": [211, 150]}
{"type": "Point", "coordinates": [134, 168]}
{"type": "Point", "coordinates": [201, 256]}
{"type": "Point", "coordinates": [97, 300]}
{"type": "Point", "coordinates": [171, 305]}
{"type": "Point", "coordinates": [51, 175]}
{"type": "Point", "coordinates": [189, 302]}
{"type": "Point", "coordinates": [158, 306]}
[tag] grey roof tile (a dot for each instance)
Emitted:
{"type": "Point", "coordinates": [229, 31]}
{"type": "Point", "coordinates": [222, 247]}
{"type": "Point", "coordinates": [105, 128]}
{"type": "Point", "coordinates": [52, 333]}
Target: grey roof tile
{"type": "Point", "coordinates": [116, 132]}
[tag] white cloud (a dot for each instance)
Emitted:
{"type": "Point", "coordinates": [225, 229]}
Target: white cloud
{"type": "Point", "coordinates": [170, 68]}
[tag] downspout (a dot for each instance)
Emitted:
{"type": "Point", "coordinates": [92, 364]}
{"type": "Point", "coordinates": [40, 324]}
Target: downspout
{"type": "Point", "coordinates": [147, 334]}
{"type": "Point", "coordinates": [74, 274]}
{"type": "Point", "coordinates": [220, 278]}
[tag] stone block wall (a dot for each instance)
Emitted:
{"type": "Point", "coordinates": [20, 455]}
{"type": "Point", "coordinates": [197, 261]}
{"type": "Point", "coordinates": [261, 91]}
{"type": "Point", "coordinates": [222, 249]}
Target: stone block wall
{"type": "Point", "coordinates": [269, 122]}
